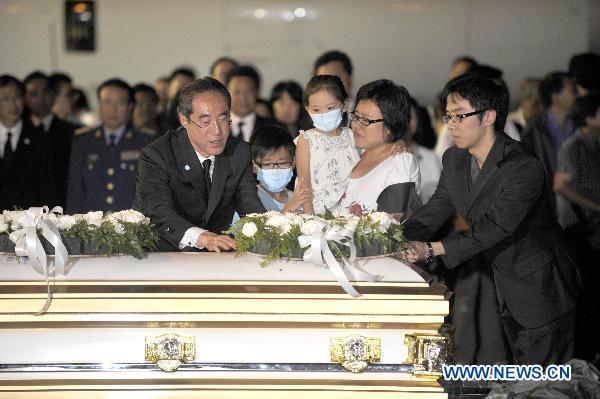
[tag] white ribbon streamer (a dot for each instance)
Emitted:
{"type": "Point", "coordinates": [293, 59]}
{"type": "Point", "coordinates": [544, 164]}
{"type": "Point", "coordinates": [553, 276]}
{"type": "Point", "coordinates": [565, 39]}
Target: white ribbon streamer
{"type": "Point", "coordinates": [318, 250]}
{"type": "Point", "coordinates": [27, 243]}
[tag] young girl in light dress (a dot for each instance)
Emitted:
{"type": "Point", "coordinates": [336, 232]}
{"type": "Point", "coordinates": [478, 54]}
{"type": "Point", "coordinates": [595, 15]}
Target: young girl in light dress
{"type": "Point", "coordinates": [325, 154]}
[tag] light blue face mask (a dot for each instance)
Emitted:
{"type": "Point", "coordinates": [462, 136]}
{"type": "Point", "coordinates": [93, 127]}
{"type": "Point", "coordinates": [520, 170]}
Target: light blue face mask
{"type": "Point", "coordinates": [275, 180]}
{"type": "Point", "coordinates": [327, 121]}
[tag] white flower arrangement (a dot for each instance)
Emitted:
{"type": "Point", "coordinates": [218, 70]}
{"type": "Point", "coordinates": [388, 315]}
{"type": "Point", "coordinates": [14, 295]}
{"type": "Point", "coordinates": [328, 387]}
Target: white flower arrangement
{"type": "Point", "coordinates": [276, 235]}
{"type": "Point", "coordinates": [124, 232]}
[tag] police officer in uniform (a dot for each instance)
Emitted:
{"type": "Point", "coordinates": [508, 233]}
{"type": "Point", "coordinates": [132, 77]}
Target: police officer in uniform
{"type": "Point", "coordinates": [103, 164]}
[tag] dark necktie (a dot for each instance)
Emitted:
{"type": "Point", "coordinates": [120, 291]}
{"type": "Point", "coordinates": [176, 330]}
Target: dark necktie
{"type": "Point", "coordinates": [207, 181]}
{"type": "Point", "coordinates": [240, 130]}
{"type": "Point", "coordinates": [113, 139]}
{"type": "Point", "coordinates": [8, 151]}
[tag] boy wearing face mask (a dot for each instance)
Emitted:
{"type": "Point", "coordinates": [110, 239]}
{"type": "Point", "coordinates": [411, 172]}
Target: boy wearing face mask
{"type": "Point", "coordinates": [273, 161]}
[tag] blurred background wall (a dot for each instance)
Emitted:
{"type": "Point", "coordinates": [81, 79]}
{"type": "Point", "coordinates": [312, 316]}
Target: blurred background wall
{"type": "Point", "coordinates": [411, 42]}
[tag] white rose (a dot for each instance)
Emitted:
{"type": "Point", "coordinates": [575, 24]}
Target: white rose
{"type": "Point", "coordinates": [66, 222]}
{"type": "Point", "coordinates": [93, 218]}
{"type": "Point", "coordinates": [249, 229]}
{"type": "Point", "coordinates": [130, 216]}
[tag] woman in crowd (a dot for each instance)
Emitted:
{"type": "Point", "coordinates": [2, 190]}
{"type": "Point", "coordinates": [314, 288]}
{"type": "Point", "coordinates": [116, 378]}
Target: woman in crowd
{"type": "Point", "coordinates": [382, 180]}
{"type": "Point", "coordinates": [286, 102]}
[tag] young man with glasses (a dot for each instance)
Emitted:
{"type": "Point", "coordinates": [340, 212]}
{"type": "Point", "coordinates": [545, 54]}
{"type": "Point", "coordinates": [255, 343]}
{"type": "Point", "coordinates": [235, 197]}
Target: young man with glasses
{"type": "Point", "coordinates": [193, 179]}
{"type": "Point", "coordinates": [498, 189]}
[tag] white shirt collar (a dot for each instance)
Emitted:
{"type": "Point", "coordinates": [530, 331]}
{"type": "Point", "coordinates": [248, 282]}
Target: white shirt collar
{"type": "Point", "coordinates": [212, 161]}
{"type": "Point", "coordinates": [118, 133]}
{"type": "Point", "coordinates": [47, 121]}
{"type": "Point", "coordinates": [248, 120]}
{"type": "Point", "coordinates": [16, 134]}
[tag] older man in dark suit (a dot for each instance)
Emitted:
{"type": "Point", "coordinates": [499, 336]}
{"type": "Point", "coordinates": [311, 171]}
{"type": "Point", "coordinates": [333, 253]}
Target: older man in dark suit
{"type": "Point", "coordinates": [499, 190]}
{"type": "Point", "coordinates": [193, 179]}
{"type": "Point", "coordinates": [26, 170]}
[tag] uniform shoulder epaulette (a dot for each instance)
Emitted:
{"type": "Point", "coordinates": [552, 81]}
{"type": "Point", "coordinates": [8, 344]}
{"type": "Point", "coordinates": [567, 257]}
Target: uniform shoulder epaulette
{"type": "Point", "coordinates": [147, 130]}
{"type": "Point", "coordinates": [85, 129]}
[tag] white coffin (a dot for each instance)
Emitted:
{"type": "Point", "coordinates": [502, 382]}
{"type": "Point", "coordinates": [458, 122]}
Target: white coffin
{"type": "Point", "coordinates": [259, 332]}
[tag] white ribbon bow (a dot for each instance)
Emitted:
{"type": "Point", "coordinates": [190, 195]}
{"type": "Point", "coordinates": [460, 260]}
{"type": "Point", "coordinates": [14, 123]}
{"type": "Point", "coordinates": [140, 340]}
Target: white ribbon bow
{"type": "Point", "coordinates": [27, 243]}
{"type": "Point", "coordinates": [318, 249]}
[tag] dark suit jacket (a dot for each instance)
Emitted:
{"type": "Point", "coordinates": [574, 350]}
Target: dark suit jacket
{"type": "Point", "coordinates": [170, 187]}
{"type": "Point", "coordinates": [28, 179]}
{"type": "Point", "coordinates": [511, 226]}
{"type": "Point", "coordinates": [61, 135]}
{"type": "Point", "coordinates": [540, 142]}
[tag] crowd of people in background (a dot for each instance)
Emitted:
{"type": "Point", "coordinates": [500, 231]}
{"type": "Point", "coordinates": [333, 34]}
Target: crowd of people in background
{"type": "Point", "coordinates": [55, 150]}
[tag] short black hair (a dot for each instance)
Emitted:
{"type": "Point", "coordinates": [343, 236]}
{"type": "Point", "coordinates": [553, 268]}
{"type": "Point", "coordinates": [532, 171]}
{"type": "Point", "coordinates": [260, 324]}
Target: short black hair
{"type": "Point", "coordinates": [145, 88]}
{"type": "Point", "coordinates": [244, 70]}
{"type": "Point", "coordinates": [482, 93]}
{"type": "Point", "coordinates": [333, 55]}
{"type": "Point", "coordinates": [393, 103]}
{"type": "Point", "coordinates": [331, 83]}
{"type": "Point", "coordinates": [57, 79]}
{"type": "Point", "coordinates": [6, 80]}
{"type": "Point", "coordinates": [219, 60]}
{"type": "Point", "coordinates": [584, 108]}
{"type": "Point", "coordinates": [188, 92]}
{"type": "Point", "coordinates": [487, 71]}
{"type": "Point", "coordinates": [465, 58]}
{"type": "Point", "coordinates": [36, 75]}
{"type": "Point", "coordinates": [288, 86]}
{"type": "Point", "coordinates": [270, 138]}
{"type": "Point", "coordinates": [186, 71]}
{"type": "Point", "coordinates": [552, 83]}
{"type": "Point", "coordinates": [584, 69]}
{"type": "Point", "coordinates": [121, 84]}
{"type": "Point", "coordinates": [79, 99]}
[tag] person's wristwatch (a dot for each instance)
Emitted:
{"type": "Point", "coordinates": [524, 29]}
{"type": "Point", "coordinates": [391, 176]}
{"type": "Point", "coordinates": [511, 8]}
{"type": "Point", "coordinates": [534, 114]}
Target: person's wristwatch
{"type": "Point", "coordinates": [429, 257]}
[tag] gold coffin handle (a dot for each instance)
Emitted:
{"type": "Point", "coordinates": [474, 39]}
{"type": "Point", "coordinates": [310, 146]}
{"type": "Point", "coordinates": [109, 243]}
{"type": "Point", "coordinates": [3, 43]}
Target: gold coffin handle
{"type": "Point", "coordinates": [355, 352]}
{"type": "Point", "coordinates": [169, 351]}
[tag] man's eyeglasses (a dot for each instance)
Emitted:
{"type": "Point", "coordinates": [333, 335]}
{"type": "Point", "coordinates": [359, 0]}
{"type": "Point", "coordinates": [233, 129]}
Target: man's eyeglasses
{"type": "Point", "coordinates": [459, 117]}
{"type": "Point", "coordinates": [222, 121]}
{"type": "Point", "coordinates": [275, 165]}
{"type": "Point", "coordinates": [362, 120]}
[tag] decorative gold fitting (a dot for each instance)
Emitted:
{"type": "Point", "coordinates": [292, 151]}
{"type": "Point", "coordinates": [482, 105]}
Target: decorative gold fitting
{"type": "Point", "coordinates": [355, 352]}
{"type": "Point", "coordinates": [427, 353]}
{"type": "Point", "coordinates": [168, 351]}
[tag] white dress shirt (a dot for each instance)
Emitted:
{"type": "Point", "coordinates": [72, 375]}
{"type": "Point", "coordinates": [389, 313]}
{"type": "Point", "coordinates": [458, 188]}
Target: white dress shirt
{"type": "Point", "coordinates": [190, 238]}
{"type": "Point", "coordinates": [247, 128]}
{"type": "Point", "coordinates": [14, 140]}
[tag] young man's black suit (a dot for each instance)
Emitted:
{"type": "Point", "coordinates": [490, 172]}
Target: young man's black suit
{"type": "Point", "coordinates": [512, 228]}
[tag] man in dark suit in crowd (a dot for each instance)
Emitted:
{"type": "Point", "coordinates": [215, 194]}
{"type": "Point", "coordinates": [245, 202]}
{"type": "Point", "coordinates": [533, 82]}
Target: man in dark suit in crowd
{"type": "Point", "coordinates": [243, 83]}
{"type": "Point", "coordinates": [39, 98]}
{"type": "Point", "coordinates": [168, 118]}
{"type": "Point", "coordinates": [104, 159]}
{"type": "Point", "coordinates": [193, 179]}
{"type": "Point", "coordinates": [26, 171]}
{"type": "Point", "coordinates": [499, 190]}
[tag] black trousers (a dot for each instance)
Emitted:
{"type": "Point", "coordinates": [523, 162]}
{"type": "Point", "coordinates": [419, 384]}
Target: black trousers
{"type": "Point", "coordinates": [552, 343]}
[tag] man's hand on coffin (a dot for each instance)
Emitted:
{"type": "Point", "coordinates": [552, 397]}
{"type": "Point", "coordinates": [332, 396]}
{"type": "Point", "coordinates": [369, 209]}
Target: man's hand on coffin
{"type": "Point", "coordinates": [417, 250]}
{"type": "Point", "coordinates": [214, 242]}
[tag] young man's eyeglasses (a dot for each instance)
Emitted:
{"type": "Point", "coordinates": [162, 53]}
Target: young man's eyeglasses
{"type": "Point", "coordinates": [362, 120]}
{"type": "Point", "coordinates": [459, 117]}
{"type": "Point", "coordinates": [275, 165]}
{"type": "Point", "coordinates": [222, 121]}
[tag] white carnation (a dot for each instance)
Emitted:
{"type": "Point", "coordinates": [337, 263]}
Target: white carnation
{"type": "Point", "coordinates": [119, 229]}
{"type": "Point", "coordinates": [66, 222]}
{"type": "Point", "coordinates": [13, 218]}
{"type": "Point", "coordinates": [249, 229]}
{"type": "Point", "coordinates": [383, 218]}
{"type": "Point", "coordinates": [3, 224]}
{"type": "Point", "coordinates": [131, 216]}
{"type": "Point", "coordinates": [93, 218]}
{"type": "Point", "coordinates": [312, 226]}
